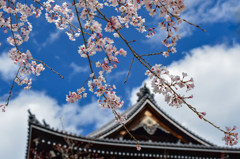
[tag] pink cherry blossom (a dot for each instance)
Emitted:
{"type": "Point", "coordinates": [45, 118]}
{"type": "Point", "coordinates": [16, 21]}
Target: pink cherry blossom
{"type": "Point", "coordinates": [166, 84]}
{"type": "Point", "coordinates": [231, 138]}
{"type": "Point", "coordinates": [138, 147]}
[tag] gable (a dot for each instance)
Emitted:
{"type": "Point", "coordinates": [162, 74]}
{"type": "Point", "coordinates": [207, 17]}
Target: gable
{"type": "Point", "coordinates": [147, 122]}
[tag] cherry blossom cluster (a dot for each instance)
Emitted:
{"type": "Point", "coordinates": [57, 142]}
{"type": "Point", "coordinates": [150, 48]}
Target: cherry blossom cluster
{"type": "Point", "coordinates": [65, 150]}
{"type": "Point", "coordinates": [231, 138]}
{"type": "Point", "coordinates": [21, 25]}
{"type": "Point", "coordinates": [166, 84]}
{"type": "Point", "coordinates": [170, 10]}
{"type": "Point", "coordinates": [111, 101]}
{"type": "Point", "coordinates": [97, 43]}
{"type": "Point", "coordinates": [121, 118]}
{"type": "Point", "coordinates": [28, 66]}
{"type": "Point", "coordinates": [92, 46]}
{"type": "Point", "coordinates": [101, 89]}
{"type": "Point", "coordinates": [75, 96]}
{"type": "Point", "coordinates": [60, 15]}
{"type": "Point", "coordinates": [94, 26]}
{"type": "Point", "coordinates": [112, 24]}
{"type": "Point", "coordinates": [88, 9]}
{"type": "Point", "coordinates": [25, 81]}
{"type": "Point", "coordinates": [129, 15]}
{"type": "Point", "coordinates": [15, 18]}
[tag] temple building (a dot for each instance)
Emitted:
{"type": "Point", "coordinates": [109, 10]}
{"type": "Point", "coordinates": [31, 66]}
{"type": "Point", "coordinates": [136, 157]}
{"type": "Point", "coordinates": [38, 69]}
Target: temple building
{"type": "Point", "coordinates": [159, 136]}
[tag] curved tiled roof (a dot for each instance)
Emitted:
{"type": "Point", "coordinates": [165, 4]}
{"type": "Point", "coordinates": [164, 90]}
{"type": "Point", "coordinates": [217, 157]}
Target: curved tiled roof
{"type": "Point", "coordinates": [113, 125]}
{"type": "Point", "coordinates": [130, 143]}
{"type": "Point", "coordinates": [98, 136]}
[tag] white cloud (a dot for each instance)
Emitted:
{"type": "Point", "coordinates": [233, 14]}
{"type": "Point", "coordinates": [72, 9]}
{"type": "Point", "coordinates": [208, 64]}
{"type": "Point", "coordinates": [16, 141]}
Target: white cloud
{"type": "Point", "coordinates": [8, 69]}
{"type": "Point", "coordinates": [211, 11]}
{"type": "Point", "coordinates": [78, 69]}
{"type": "Point", "coordinates": [201, 12]}
{"type": "Point", "coordinates": [52, 37]}
{"type": "Point", "coordinates": [216, 73]}
{"type": "Point", "coordinates": [118, 76]}
{"type": "Point", "coordinates": [88, 114]}
{"type": "Point", "coordinates": [14, 121]}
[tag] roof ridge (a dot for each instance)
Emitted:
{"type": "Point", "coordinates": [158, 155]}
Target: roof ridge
{"type": "Point", "coordinates": [113, 122]}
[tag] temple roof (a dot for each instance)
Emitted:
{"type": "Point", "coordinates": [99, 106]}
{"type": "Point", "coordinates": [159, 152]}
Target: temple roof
{"type": "Point", "coordinates": [146, 105]}
{"type": "Point", "coordinates": [45, 138]}
{"type": "Point", "coordinates": [145, 119]}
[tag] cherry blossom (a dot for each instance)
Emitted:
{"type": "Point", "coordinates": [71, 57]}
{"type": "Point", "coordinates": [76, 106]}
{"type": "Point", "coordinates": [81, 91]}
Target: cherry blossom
{"type": "Point", "coordinates": [202, 114]}
{"type": "Point", "coordinates": [122, 118]}
{"type": "Point", "coordinates": [75, 96]}
{"type": "Point", "coordinates": [138, 147]}
{"type": "Point", "coordinates": [166, 84]}
{"type": "Point", "coordinates": [231, 138]}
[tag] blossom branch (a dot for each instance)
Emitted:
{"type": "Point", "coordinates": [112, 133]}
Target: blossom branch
{"type": "Point", "coordinates": [114, 111]}
{"type": "Point", "coordinates": [148, 66]}
{"type": "Point", "coordinates": [81, 28]}
{"type": "Point", "coordinates": [10, 92]}
{"type": "Point", "coordinates": [49, 68]}
{"type": "Point", "coordinates": [129, 70]}
{"type": "Point", "coordinates": [155, 53]}
{"type": "Point", "coordinates": [178, 18]}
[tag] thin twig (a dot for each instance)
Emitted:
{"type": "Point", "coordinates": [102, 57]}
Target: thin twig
{"type": "Point", "coordinates": [181, 18]}
{"type": "Point", "coordinates": [155, 53]}
{"type": "Point", "coordinates": [49, 68]}
{"type": "Point", "coordinates": [198, 26]}
{"type": "Point", "coordinates": [129, 70]}
{"type": "Point", "coordinates": [10, 92]}
{"type": "Point", "coordinates": [85, 43]}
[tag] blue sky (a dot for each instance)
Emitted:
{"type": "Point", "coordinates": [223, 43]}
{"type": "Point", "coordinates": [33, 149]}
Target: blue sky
{"type": "Point", "coordinates": [211, 58]}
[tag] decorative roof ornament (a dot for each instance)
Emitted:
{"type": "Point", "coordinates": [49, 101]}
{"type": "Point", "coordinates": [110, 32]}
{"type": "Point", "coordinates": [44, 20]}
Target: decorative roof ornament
{"type": "Point", "coordinates": [45, 124]}
{"type": "Point", "coordinates": [150, 126]}
{"type": "Point", "coordinates": [144, 91]}
{"type": "Point", "coordinates": [32, 118]}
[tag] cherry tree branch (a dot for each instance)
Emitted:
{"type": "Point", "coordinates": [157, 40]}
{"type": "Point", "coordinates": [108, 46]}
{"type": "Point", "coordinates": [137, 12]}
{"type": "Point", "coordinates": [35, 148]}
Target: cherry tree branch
{"type": "Point", "coordinates": [81, 28]}
{"type": "Point", "coordinates": [117, 116]}
{"type": "Point", "coordinates": [10, 92]}
{"type": "Point", "coordinates": [148, 66]}
{"type": "Point", "coordinates": [129, 70]}
{"type": "Point", "coordinates": [178, 18]}
{"type": "Point", "coordinates": [155, 53]}
{"type": "Point", "coordinates": [49, 67]}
